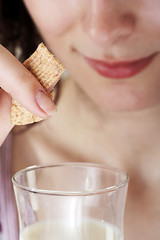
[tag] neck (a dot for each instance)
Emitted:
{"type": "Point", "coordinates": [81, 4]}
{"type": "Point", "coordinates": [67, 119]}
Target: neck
{"type": "Point", "coordinates": [118, 136]}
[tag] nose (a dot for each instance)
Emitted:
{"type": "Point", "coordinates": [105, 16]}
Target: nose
{"type": "Point", "coordinates": [106, 22]}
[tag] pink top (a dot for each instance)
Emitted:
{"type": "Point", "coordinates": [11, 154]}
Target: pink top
{"type": "Point", "coordinates": [8, 217]}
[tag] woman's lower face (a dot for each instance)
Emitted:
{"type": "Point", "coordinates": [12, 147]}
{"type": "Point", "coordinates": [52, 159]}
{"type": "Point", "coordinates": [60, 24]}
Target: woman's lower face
{"type": "Point", "coordinates": [111, 48]}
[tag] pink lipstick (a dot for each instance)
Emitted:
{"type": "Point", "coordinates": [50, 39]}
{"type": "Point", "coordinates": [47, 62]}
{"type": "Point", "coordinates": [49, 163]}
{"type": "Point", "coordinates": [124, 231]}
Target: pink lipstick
{"type": "Point", "coordinates": [121, 69]}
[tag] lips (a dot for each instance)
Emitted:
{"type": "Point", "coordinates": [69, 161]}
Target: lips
{"type": "Point", "coordinates": [121, 69]}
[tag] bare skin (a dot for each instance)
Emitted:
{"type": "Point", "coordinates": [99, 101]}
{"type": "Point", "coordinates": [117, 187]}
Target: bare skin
{"type": "Point", "coordinates": [17, 82]}
{"type": "Point", "coordinates": [118, 121]}
{"type": "Point", "coordinates": [123, 143]}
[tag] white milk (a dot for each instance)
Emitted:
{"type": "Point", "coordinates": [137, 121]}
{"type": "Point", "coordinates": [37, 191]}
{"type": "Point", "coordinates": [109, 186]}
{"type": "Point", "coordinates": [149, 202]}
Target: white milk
{"type": "Point", "coordinates": [67, 230]}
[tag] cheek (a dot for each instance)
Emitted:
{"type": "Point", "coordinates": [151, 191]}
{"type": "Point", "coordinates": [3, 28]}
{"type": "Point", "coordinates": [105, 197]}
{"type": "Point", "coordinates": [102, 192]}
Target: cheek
{"type": "Point", "coordinates": [52, 17]}
{"type": "Point", "coordinates": [150, 13]}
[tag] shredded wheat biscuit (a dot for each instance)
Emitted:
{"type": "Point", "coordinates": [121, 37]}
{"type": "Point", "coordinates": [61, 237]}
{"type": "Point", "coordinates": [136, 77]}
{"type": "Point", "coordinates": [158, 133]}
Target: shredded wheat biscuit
{"type": "Point", "coordinates": [47, 69]}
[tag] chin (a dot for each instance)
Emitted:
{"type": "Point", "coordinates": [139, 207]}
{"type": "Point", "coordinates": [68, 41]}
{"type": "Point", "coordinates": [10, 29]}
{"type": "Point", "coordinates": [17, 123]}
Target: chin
{"type": "Point", "coordinates": [126, 100]}
{"type": "Point", "coordinates": [122, 95]}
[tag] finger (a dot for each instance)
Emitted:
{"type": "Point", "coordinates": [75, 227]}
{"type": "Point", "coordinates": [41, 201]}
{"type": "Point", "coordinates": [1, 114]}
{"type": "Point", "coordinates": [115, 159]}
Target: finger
{"type": "Point", "coordinates": [16, 80]}
{"type": "Point", "coordinates": [5, 125]}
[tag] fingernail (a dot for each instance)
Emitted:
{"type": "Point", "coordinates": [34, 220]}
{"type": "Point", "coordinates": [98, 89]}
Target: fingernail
{"type": "Point", "coordinates": [45, 103]}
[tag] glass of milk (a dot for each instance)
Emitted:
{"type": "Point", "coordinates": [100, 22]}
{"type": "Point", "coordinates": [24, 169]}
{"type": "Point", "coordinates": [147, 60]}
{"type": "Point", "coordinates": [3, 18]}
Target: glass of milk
{"type": "Point", "coordinates": [71, 201]}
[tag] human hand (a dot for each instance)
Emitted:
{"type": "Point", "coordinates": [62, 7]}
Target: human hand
{"type": "Point", "coordinates": [17, 82]}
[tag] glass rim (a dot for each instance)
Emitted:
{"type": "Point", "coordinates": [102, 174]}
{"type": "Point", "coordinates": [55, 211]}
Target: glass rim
{"type": "Point", "coordinates": [71, 193]}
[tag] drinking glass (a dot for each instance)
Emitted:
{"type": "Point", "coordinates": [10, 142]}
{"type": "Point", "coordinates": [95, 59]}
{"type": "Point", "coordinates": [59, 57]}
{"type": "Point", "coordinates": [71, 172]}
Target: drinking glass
{"type": "Point", "coordinates": [71, 201]}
